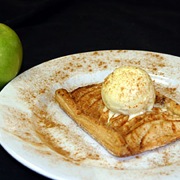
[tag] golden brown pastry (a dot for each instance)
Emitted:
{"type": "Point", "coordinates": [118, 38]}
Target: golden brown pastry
{"type": "Point", "coordinates": [119, 135]}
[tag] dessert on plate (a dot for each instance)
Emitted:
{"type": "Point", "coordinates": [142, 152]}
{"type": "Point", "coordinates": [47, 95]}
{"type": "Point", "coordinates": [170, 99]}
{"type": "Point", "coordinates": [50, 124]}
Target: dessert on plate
{"type": "Point", "coordinates": [125, 113]}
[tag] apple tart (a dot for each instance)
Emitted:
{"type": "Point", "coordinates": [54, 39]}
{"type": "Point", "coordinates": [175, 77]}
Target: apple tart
{"type": "Point", "coordinates": [120, 135]}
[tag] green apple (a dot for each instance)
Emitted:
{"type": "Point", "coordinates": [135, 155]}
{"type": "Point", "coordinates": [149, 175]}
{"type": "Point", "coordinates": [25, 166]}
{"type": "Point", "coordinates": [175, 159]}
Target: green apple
{"type": "Point", "coordinates": [11, 54]}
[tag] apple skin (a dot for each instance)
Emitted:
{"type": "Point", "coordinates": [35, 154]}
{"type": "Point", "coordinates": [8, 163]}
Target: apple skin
{"type": "Point", "coordinates": [11, 54]}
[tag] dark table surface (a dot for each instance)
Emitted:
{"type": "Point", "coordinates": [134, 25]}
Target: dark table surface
{"type": "Point", "coordinates": [54, 28]}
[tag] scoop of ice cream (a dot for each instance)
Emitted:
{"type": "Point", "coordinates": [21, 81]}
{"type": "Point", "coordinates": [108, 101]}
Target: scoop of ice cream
{"type": "Point", "coordinates": [128, 90]}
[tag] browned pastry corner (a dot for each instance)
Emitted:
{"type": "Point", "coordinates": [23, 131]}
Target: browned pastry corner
{"type": "Point", "coordinates": [120, 136]}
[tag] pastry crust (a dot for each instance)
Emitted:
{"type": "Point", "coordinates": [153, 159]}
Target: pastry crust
{"type": "Point", "coordinates": [119, 135]}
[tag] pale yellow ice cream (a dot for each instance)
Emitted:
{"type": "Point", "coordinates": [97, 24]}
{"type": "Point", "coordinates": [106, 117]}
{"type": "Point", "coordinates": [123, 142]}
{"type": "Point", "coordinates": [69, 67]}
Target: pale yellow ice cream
{"type": "Point", "coordinates": [128, 90]}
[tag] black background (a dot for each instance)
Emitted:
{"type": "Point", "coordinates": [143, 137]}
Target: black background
{"type": "Point", "coordinates": [53, 28]}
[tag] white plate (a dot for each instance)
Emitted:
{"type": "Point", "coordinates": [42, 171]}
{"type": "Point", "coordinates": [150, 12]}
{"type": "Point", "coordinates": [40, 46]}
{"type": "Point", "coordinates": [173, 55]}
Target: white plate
{"type": "Point", "coordinates": [36, 132]}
